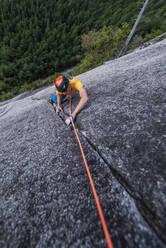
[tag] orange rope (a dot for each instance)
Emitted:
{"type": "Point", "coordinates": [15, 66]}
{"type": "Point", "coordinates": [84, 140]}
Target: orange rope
{"type": "Point", "coordinates": [105, 229]}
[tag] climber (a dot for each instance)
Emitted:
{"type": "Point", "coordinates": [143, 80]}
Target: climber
{"type": "Point", "coordinates": [64, 86]}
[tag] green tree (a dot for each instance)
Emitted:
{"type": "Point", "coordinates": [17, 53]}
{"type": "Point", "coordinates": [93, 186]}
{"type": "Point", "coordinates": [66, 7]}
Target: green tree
{"type": "Point", "coordinates": [101, 45]}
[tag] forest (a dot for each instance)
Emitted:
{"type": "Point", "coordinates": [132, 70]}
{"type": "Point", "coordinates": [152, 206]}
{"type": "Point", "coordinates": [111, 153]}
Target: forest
{"type": "Point", "coordinates": [39, 38]}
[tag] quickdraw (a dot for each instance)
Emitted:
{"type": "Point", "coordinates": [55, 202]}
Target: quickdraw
{"type": "Point", "coordinates": [62, 115]}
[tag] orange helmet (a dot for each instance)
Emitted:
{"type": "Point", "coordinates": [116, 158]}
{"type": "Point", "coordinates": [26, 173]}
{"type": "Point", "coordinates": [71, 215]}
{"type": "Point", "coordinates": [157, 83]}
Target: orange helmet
{"type": "Point", "coordinates": [61, 83]}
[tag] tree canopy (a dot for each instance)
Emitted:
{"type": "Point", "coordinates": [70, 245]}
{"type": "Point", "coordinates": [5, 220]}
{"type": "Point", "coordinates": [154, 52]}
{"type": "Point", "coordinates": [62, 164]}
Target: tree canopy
{"type": "Point", "coordinates": [41, 37]}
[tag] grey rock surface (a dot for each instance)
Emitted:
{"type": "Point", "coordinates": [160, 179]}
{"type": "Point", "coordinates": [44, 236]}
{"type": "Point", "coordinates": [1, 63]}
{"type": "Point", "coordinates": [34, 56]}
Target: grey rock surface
{"type": "Point", "coordinates": [46, 199]}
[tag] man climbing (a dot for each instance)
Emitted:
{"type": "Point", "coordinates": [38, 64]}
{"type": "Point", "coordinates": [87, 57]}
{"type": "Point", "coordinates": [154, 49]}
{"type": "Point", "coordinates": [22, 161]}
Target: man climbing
{"type": "Point", "coordinates": [65, 86]}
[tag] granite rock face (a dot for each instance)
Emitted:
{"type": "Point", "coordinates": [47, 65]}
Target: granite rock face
{"type": "Point", "coordinates": [46, 199]}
